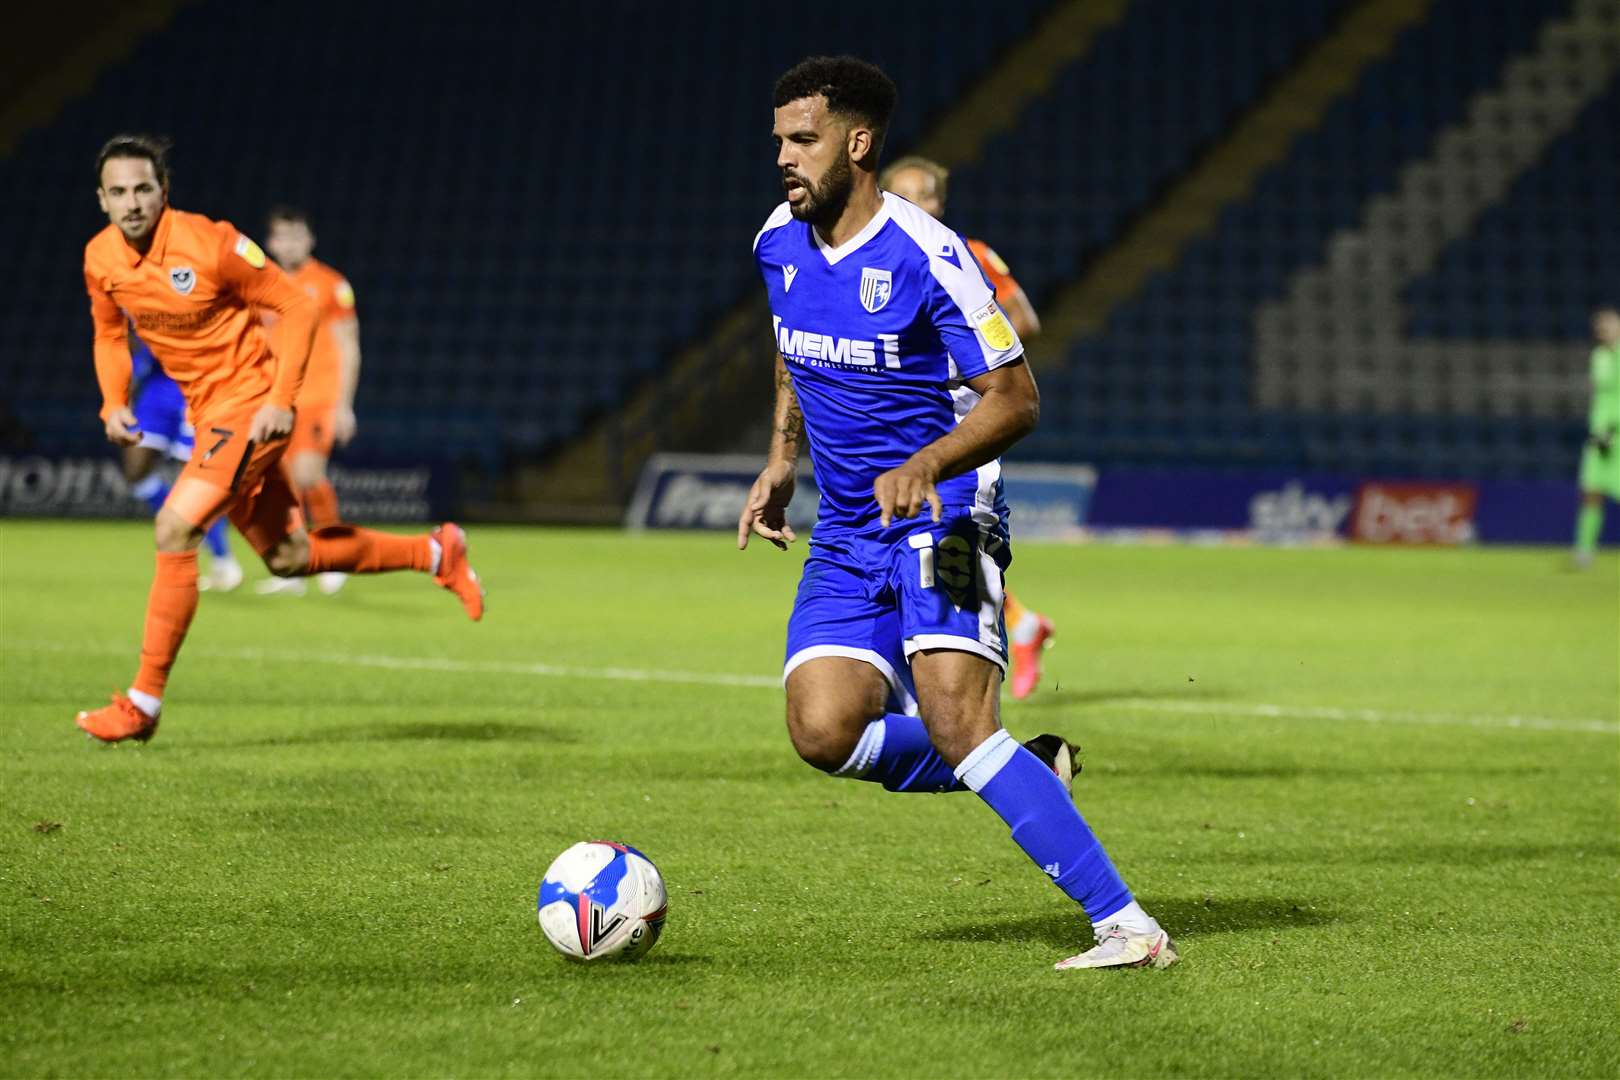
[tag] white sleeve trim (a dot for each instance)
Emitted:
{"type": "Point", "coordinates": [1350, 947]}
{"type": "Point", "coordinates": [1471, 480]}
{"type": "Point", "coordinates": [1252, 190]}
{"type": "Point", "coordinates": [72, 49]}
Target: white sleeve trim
{"type": "Point", "coordinates": [779, 217]}
{"type": "Point", "coordinates": [961, 280]}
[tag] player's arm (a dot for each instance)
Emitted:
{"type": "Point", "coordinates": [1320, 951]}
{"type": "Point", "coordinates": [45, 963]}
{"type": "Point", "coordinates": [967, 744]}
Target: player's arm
{"type": "Point", "coordinates": [1008, 409]}
{"type": "Point", "coordinates": [765, 511]}
{"type": "Point", "coordinates": [347, 333]}
{"type": "Point", "coordinates": [113, 366]}
{"type": "Point", "coordinates": [1602, 423]}
{"type": "Point", "coordinates": [1015, 302]}
{"type": "Point", "coordinates": [1009, 294]}
{"type": "Point", "coordinates": [244, 269]}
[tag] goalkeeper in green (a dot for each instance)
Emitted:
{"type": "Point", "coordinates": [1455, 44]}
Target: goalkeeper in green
{"type": "Point", "coordinates": [1600, 462]}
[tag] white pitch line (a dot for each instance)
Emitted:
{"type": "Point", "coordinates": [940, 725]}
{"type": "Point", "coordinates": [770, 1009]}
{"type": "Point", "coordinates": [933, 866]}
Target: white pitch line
{"type": "Point", "coordinates": [1250, 710]}
{"type": "Point", "coordinates": [1367, 716]}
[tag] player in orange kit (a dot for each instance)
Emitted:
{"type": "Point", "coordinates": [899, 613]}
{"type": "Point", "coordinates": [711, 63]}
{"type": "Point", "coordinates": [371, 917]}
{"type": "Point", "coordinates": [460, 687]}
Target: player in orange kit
{"type": "Point", "coordinates": [921, 181]}
{"type": "Point", "coordinates": [326, 402]}
{"type": "Point", "coordinates": [190, 285]}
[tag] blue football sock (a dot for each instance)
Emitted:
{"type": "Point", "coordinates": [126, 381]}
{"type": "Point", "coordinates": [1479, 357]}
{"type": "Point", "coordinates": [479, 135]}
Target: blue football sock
{"type": "Point", "coordinates": [896, 752]}
{"type": "Point", "coordinates": [151, 491]}
{"type": "Point", "coordinates": [1044, 822]}
{"type": "Point", "coordinates": [217, 545]}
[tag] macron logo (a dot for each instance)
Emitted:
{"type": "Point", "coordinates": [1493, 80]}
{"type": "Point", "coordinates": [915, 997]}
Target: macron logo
{"type": "Point", "coordinates": [1052, 870]}
{"type": "Point", "coordinates": [788, 274]}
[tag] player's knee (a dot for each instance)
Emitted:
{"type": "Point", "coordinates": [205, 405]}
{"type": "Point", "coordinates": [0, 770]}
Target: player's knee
{"type": "Point", "coordinates": [290, 558]}
{"type": "Point", "coordinates": [172, 533]}
{"type": "Point", "coordinates": [956, 725]}
{"type": "Point", "coordinates": [822, 737]}
{"type": "Point", "coordinates": [307, 470]}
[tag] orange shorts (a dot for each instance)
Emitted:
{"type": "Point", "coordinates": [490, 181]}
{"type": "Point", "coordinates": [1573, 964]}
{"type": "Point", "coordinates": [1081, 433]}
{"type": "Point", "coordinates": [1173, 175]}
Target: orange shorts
{"type": "Point", "coordinates": [229, 474]}
{"type": "Point", "coordinates": [312, 431]}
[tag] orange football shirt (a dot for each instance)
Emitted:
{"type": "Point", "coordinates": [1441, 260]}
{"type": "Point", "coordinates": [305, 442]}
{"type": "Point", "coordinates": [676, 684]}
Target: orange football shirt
{"type": "Point", "coordinates": [334, 300]}
{"type": "Point", "coordinates": [191, 298]}
{"type": "Point", "coordinates": [1001, 278]}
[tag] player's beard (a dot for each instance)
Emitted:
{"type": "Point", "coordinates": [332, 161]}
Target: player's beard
{"type": "Point", "coordinates": [824, 203]}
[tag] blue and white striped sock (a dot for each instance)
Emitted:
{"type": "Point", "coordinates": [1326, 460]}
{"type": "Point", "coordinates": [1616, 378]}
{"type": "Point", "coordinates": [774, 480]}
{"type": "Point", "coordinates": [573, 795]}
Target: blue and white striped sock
{"type": "Point", "coordinates": [897, 753]}
{"type": "Point", "coordinates": [1044, 822]}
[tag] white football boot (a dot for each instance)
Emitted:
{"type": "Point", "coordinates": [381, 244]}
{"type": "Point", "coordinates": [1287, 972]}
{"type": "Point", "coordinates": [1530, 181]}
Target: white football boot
{"type": "Point", "coordinates": [330, 581]}
{"type": "Point", "coordinates": [1117, 947]}
{"type": "Point", "coordinates": [223, 575]}
{"type": "Point", "coordinates": [270, 586]}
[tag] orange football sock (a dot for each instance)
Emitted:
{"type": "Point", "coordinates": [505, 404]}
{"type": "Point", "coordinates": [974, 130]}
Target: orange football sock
{"type": "Point", "coordinates": [169, 608]}
{"type": "Point", "coordinates": [1013, 610]}
{"type": "Point", "coordinates": [363, 551]}
{"type": "Point", "coordinates": [320, 506]}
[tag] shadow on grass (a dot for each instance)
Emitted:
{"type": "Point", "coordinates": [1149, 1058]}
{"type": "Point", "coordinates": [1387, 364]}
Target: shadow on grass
{"type": "Point", "coordinates": [471, 731]}
{"type": "Point", "coordinates": [1180, 915]}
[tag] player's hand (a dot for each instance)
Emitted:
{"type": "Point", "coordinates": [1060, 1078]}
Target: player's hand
{"type": "Point", "coordinates": [765, 511]}
{"type": "Point", "coordinates": [270, 422]}
{"type": "Point", "coordinates": [122, 428]}
{"type": "Point", "coordinates": [901, 492]}
{"type": "Point", "coordinates": [343, 425]}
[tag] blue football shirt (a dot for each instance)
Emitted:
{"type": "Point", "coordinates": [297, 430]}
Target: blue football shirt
{"type": "Point", "coordinates": [880, 335]}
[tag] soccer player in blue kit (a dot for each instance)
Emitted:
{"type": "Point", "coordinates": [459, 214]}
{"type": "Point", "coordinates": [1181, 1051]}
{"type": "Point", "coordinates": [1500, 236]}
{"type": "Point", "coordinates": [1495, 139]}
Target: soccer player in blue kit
{"type": "Point", "coordinates": [896, 363]}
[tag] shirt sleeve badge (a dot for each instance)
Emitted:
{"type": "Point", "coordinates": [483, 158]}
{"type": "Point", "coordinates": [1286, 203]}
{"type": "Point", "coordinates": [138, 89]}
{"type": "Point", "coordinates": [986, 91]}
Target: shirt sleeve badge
{"type": "Point", "coordinates": [997, 331]}
{"type": "Point", "coordinates": [250, 252]}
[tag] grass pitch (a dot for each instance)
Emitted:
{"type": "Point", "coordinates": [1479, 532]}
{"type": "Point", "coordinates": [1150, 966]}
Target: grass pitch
{"type": "Point", "coordinates": [1374, 794]}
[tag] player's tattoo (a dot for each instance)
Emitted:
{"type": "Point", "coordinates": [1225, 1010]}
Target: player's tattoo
{"type": "Point", "coordinates": [790, 419]}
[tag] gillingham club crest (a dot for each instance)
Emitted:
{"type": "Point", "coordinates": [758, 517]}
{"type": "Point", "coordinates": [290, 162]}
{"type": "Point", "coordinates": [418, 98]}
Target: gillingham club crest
{"type": "Point", "coordinates": [876, 287]}
{"type": "Point", "coordinates": [183, 279]}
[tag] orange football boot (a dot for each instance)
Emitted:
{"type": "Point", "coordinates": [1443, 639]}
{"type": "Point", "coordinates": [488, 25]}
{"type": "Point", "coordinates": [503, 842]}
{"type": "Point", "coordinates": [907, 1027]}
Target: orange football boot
{"type": "Point", "coordinates": [121, 720]}
{"type": "Point", "coordinates": [1026, 660]}
{"type": "Point", "coordinates": [455, 573]}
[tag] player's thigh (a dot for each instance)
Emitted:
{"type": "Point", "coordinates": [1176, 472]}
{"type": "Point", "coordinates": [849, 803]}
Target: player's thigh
{"type": "Point", "coordinates": [843, 609]}
{"type": "Point", "coordinates": [948, 578]}
{"type": "Point", "coordinates": [830, 700]}
{"type": "Point", "coordinates": [267, 516]}
{"type": "Point", "coordinates": [959, 695]}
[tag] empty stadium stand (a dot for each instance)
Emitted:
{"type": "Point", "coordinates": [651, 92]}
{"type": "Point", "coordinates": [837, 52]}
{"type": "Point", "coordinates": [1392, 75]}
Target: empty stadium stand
{"type": "Point", "coordinates": [535, 205]}
{"type": "Point", "coordinates": [544, 212]}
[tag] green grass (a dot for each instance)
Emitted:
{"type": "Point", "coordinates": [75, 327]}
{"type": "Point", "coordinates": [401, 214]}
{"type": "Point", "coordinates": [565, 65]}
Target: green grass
{"type": "Point", "coordinates": [325, 864]}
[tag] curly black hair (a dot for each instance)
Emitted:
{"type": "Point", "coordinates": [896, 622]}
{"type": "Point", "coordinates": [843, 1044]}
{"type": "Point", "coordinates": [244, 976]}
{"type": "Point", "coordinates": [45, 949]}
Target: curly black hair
{"type": "Point", "coordinates": [153, 148]}
{"type": "Point", "coordinates": [851, 86]}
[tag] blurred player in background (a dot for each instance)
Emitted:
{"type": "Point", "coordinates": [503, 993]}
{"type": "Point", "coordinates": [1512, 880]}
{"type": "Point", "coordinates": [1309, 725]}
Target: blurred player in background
{"type": "Point", "coordinates": [326, 402]}
{"type": "Point", "coordinates": [897, 366]}
{"type": "Point", "coordinates": [160, 419]}
{"type": "Point", "coordinates": [922, 182]}
{"type": "Point", "coordinates": [1600, 461]}
{"type": "Point", "coordinates": [190, 285]}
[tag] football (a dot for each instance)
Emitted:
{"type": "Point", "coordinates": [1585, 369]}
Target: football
{"type": "Point", "coordinates": [602, 900]}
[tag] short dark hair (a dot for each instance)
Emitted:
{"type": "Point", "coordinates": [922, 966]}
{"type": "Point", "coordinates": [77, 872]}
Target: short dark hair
{"type": "Point", "coordinates": [153, 148]}
{"type": "Point", "coordinates": [851, 86]}
{"type": "Point", "coordinates": [288, 212]}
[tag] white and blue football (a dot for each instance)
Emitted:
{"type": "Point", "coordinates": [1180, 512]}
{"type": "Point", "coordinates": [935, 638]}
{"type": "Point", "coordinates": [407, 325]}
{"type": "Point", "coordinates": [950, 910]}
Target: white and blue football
{"type": "Point", "coordinates": [601, 899]}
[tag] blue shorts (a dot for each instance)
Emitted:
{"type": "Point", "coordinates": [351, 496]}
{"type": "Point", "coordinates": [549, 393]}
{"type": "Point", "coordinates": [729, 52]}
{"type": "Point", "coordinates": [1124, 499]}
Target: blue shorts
{"type": "Point", "coordinates": [160, 410]}
{"type": "Point", "coordinates": [880, 595]}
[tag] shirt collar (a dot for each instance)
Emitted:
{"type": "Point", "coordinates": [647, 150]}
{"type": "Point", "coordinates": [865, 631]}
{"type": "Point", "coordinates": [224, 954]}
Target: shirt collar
{"type": "Point", "coordinates": [834, 255]}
